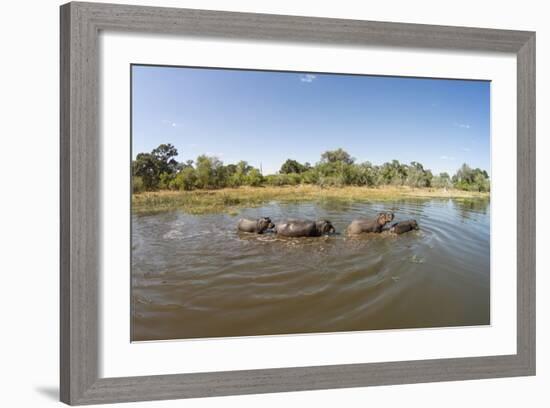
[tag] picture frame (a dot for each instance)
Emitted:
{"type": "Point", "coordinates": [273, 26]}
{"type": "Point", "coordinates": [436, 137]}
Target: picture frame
{"type": "Point", "coordinates": [81, 23]}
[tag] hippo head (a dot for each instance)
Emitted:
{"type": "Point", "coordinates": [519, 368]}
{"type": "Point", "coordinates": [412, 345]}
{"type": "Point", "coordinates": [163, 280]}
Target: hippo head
{"type": "Point", "coordinates": [414, 224]}
{"type": "Point", "coordinates": [384, 218]}
{"type": "Point", "coordinates": [325, 227]}
{"type": "Point", "coordinates": [265, 223]}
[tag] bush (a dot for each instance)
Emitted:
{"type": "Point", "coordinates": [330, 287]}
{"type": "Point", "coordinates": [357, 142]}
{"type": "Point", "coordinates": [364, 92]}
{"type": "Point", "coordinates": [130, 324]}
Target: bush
{"type": "Point", "coordinates": [137, 184]}
{"type": "Point", "coordinates": [276, 179]}
{"type": "Point", "coordinates": [254, 178]}
{"type": "Point", "coordinates": [330, 181]}
{"type": "Point", "coordinates": [310, 177]}
{"type": "Point", "coordinates": [470, 179]}
{"type": "Point", "coordinates": [159, 170]}
{"type": "Point", "coordinates": [165, 181]}
{"type": "Point", "coordinates": [293, 179]}
{"type": "Point", "coordinates": [186, 180]}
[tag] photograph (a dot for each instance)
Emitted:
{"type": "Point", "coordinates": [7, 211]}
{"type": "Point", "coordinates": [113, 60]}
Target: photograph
{"type": "Point", "coordinates": [271, 202]}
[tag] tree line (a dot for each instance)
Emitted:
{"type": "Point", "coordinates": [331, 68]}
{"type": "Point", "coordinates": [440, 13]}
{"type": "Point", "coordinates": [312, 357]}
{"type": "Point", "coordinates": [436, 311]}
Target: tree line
{"type": "Point", "coordinates": [159, 170]}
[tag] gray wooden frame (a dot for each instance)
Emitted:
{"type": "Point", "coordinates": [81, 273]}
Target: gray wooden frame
{"type": "Point", "coordinates": [80, 233]}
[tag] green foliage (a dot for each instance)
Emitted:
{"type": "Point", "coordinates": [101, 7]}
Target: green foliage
{"type": "Point", "coordinates": [159, 170]}
{"type": "Point", "coordinates": [210, 172]}
{"type": "Point", "coordinates": [470, 179]}
{"type": "Point", "coordinates": [186, 179]}
{"type": "Point", "coordinates": [417, 176]}
{"type": "Point", "coordinates": [292, 166]}
{"type": "Point", "coordinates": [443, 180]}
{"type": "Point", "coordinates": [338, 155]}
{"type": "Point", "coordinates": [330, 181]}
{"type": "Point", "coordinates": [254, 178]}
{"type": "Point", "coordinates": [237, 174]}
{"type": "Point", "coordinates": [164, 156]}
{"type": "Point", "coordinates": [137, 184]}
{"type": "Point", "coordinates": [165, 180]}
{"type": "Point", "coordinates": [146, 167]}
{"type": "Point", "coordinates": [276, 179]}
{"type": "Point", "coordinates": [310, 176]}
{"type": "Point", "coordinates": [151, 166]}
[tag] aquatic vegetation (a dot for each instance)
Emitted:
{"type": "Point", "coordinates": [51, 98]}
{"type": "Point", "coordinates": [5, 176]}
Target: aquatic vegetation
{"type": "Point", "coordinates": [230, 200]}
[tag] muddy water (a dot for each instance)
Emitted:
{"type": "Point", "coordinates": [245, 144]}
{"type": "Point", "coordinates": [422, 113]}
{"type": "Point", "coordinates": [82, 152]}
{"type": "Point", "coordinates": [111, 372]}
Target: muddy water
{"type": "Point", "coordinates": [195, 276]}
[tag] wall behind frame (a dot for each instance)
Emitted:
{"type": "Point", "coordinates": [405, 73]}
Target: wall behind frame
{"type": "Point", "coordinates": [29, 206]}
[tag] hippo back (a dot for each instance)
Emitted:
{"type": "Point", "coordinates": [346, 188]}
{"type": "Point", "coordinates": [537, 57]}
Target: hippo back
{"type": "Point", "coordinates": [296, 228]}
{"type": "Point", "coordinates": [246, 225]}
{"type": "Point", "coordinates": [404, 226]}
{"type": "Point", "coordinates": [364, 225]}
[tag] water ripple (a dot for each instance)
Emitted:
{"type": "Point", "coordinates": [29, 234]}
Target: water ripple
{"type": "Point", "coordinates": [195, 276]}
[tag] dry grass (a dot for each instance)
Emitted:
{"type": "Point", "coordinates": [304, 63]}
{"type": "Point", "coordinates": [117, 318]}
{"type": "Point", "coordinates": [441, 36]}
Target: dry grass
{"type": "Point", "coordinates": [231, 199]}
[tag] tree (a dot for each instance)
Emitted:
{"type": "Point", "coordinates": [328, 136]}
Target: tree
{"type": "Point", "coordinates": [481, 181]}
{"type": "Point", "coordinates": [394, 173]}
{"type": "Point", "coordinates": [292, 166]}
{"type": "Point", "coordinates": [184, 165]}
{"type": "Point", "coordinates": [205, 172]}
{"type": "Point", "coordinates": [146, 167]}
{"type": "Point", "coordinates": [237, 173]}
{"type": "Point", "coordinates": [443, 180]}
{"type": "Point", "coordinates": [160, 170]}
{"type": "Point", "coordinates": [310, 176]}
{"type": "Point", "coordinates": [210, 172]}
{"type": "Point", "coordinates": [185, 180]}
{"type": "Point", "coordinates": [338, 155]}
{"type": "Point", "coordinates": [368, 174]}
{"type": "Point", "coordinates": [156, 166]}
{"type": "Point", "coordinates": [165, 180]}
{"type": "Point", "coordinates": [417, 176]}
{"type": "Point", "coordinates": [164, 154]}
{"type": "Point", "coordinates": [254, 178]}
{"type": "Point", "coordinates": [137, 184]}
{"type": "Point", "coordinates": [243, 167]}
{"type": "Point", "coordinates": [470, 179]}
{"type": "Point", "coordinates": [276, 179]}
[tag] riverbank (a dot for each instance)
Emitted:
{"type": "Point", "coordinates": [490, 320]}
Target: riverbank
{"type": "Point", "coordinates": [229, 200]}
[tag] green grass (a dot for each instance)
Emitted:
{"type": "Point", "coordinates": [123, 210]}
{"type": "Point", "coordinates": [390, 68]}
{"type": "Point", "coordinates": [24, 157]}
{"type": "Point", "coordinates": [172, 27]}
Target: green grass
{"type": "Point", "coordinates": [230, 200]}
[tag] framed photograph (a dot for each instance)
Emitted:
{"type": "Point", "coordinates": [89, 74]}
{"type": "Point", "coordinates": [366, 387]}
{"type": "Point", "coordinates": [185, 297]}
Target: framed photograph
{"type": "Point", "coordinates": [261, 203]}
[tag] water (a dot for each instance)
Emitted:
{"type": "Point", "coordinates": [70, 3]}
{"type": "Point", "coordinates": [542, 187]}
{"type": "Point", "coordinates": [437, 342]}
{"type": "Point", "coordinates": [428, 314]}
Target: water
{"type": "Point", "coordinates": [195, 276]}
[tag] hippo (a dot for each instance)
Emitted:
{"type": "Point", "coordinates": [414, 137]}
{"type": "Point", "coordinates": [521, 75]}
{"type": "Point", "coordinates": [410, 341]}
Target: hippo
{"type": "Point", "coordinates": [404, 226]}
{"type": "Point", "coordinates": [300, 228]}
{"type": "Point", "coordinates": [370, 225]}
{"type": "Point", "coordinates": [258, 226]}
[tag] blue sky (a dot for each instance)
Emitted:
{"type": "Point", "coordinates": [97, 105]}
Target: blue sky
{"type": "Point", "coordinates": [266, 117]}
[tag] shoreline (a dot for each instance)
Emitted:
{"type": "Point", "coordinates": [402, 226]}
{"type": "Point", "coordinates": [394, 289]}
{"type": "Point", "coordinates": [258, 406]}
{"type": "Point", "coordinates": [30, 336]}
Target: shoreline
{"type": "Point", "coordinates": [230, 200]}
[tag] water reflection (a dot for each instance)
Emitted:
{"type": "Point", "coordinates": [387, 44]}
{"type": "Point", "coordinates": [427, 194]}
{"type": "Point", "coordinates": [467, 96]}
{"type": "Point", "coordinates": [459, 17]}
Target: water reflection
{"type": "Point", "coordinates": [468, 208]}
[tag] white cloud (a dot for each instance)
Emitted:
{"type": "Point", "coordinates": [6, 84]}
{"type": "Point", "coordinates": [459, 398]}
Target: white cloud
{"type": "Point", "coordinates": [466, 149]}
{"type": "Point", "coordinates": [309, 78]}
{"type": "Point", "coordinates": [447, 157]}
{"type": "Point", "coordinates": [463, 125]}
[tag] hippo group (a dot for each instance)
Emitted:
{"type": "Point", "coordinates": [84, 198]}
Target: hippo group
{"type": "Point", "coordinates": [304, 228]}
